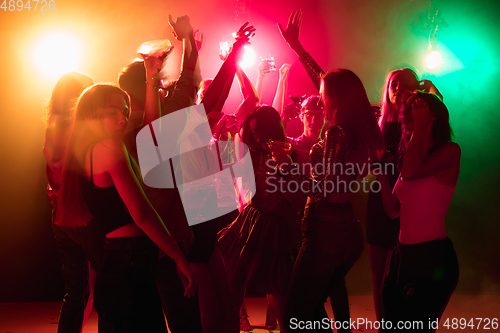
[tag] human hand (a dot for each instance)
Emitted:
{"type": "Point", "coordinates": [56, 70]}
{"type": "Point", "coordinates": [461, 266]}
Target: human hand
{"type": "Point", "coordinates": [245, 32]}
{"type": "Point", "coordinates": [242, 37]}
{"type": "Point", "coordinates": [280, 152]}
{"type": "Point", "coordinates": [284, 71]}
{"type": "Point", "coordinates": [224, 51]}
{"type": "Point", "coordinates": [266, 66]}
{"type": "Point", "coordinates": [181, 26]}
{"type": "Point", "coordinates": [291, 111]}
{"type": "Point", "coordinates": [198, 39]}
{"type": "Point", "coordinates": [153, 65]}
{"type": "Point", "coordinates": [421, 114]}
{"type": "Point", "coordinates": [188, 278]}
{"type": "Point", "coordinates": [291, 33]}
{"type": "Point", "coordinates": [425, 85]}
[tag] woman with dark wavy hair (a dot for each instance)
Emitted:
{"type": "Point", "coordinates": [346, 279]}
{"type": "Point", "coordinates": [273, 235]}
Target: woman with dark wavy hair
{"type": "Point", "coordinates": [332, 237]}
{"type": "Point", "coordinates": [423, 270]}
{"type": "Point", "coordinates": [100, 183]}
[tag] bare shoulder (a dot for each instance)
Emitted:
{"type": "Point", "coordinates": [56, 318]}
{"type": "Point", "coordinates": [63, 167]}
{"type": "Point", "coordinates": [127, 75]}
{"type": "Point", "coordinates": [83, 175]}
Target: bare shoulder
{"type": "Point", "coordinates": [110, 151]}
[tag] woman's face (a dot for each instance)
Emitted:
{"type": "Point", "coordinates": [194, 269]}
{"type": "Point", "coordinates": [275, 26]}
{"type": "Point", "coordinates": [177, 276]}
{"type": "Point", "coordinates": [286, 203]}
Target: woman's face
{"type": "Point", "coordinates": [115, 117]}
{"type": "Point", "coordinates": [402, 83]}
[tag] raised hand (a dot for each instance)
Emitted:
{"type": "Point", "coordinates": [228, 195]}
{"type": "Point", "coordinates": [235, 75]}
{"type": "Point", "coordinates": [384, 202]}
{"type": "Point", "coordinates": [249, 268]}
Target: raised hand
{"type": "Point", "coordinates": [245, 32]}
{"type": "Point", "coordinates": [181, 26]}
{"type": "Point", "coordinates": [426, 85]}
{"type": "Point", "coordinates": [284, 71]}
{"type": "Point", "coordinates": [421, 114]}
{"type": "Point", "coordinates": [290, 112]}
{"type": "Point", "coordinates": [291, 33]}
{"type": "Point", "coordinates": [265, 67]}
{"type": "Point", "coordinates": [198, 39]}
{"type": "Point", "coordinates": [242, 37]}
{"type": "Point", "coordinates": [153, 64]}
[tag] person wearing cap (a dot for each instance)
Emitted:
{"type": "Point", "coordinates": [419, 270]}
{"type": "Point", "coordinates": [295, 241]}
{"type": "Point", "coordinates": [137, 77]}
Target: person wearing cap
{"type": "Point", "coordinates": [313, 117]}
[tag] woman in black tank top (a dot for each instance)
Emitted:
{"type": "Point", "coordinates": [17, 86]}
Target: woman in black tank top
{"type": "Point", "coordinates": [99, 184]}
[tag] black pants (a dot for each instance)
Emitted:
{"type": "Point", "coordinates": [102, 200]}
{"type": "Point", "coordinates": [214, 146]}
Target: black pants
{"type": "Point", "coordinates": [183, 313]}
{"type": "Point", "coordinates": [419, 284]}
{"type": "Point", "coordinates": [332, 242]}
{"type": "Point", "coordinates": [125, 294]}
{"type": "Point", "coordinates": [75, 271]}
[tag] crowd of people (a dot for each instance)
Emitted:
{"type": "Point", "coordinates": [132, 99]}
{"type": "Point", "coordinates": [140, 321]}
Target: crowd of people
{"type": "Point", "coordinates": [128, 249]}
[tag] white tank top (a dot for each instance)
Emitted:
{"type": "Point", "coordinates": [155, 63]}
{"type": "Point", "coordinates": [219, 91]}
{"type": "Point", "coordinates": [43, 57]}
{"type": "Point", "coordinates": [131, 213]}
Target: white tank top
{"type": "Point", "coordinates": [424, 204]}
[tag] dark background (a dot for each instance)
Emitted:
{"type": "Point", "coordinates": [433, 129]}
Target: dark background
{"type": "Point", "coordinates": [368, 37]}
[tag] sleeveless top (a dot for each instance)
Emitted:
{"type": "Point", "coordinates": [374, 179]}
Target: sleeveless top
{"type": "Point", "coordinates": [105, 203]}
{"type": "Point", "coordinates": [424, 204]}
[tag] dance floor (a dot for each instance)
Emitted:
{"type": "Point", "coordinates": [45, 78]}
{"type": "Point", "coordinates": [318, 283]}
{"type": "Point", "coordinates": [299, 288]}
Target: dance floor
{"type": "Point", "coordinates": [475, 310]}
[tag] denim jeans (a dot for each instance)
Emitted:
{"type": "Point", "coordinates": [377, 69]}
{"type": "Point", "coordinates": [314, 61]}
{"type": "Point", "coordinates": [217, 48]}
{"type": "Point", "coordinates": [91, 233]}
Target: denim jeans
{"type": "Point", "coordinates": [332, 242]}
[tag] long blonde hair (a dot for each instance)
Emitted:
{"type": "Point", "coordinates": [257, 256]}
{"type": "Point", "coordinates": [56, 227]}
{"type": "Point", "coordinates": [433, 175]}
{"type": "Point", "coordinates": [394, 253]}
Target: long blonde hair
{"type": "Point", "coordinates": [87, 130]}
{"type": "Point", "coordinates": [387, 111]}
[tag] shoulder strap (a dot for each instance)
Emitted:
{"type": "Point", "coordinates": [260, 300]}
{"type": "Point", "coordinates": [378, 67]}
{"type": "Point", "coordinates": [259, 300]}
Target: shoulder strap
{"type": "Point", "coordinates": [91, 165]}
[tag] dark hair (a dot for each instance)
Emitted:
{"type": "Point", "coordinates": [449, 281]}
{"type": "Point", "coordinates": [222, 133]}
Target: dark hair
{"type": "Point", "coordinates": [312, 103]}
{"type": "Point", "coordinates": [344, 87]}
{"type": "Point", "coordinates": [132, 79]}
{"type": "Point", "coordinates": [441, 129]}
{"type": "Point", "coordinates": [269, 127]}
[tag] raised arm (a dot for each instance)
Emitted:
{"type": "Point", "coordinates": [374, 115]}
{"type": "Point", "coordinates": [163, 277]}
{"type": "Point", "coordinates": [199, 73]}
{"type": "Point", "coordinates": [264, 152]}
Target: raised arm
{"type": "Point", "coordinates": [279, 97]}
{"type": "Point", "coordinates": [250, 98]}
{"type": "Point", "coordinates": [291, 36]}
{"type": "Point", "coordinates": [183, 31]}
{"type": "Point", "coordinates": [184, 91]}
{"type": "Point", "coordinates": [152, 103]}
{"type": "Point", "coordinates": [117, 165]}
{"type": "Point", "coordinates": [263, 69]}
{"type": "Point", "coordinates": [428, 86]}
{"type": "Point", "coordinates": [218, 91]}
